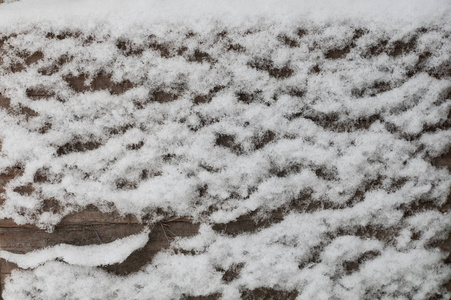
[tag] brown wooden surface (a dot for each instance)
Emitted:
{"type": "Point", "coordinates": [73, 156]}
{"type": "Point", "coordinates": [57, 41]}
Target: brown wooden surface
{"type": "Point", "coordinates": [83, 228]}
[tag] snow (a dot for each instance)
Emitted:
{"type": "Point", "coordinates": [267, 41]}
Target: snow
{"type": "Point", "coordinates": [329, 112]}
{"type": "Point", "coordinates": [93, 255]}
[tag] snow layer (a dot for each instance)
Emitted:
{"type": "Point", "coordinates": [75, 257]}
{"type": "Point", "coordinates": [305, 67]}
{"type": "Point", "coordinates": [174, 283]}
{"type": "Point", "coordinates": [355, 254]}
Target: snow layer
{"type": "Point", "coordinates": [93, 255]}
{"type": "Point", "coordinates": [331, 116]}
{"type": "Point", "coordinates": [88, 13]}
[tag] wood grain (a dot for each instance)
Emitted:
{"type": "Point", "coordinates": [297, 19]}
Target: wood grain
{"type": "Point", "coordinates": [84, 228]}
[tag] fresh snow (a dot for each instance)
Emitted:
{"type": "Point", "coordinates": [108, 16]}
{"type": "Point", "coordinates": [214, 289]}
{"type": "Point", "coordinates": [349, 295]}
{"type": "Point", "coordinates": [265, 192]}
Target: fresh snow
{"type": "Point", "coordinates": [93, 255]}
{"type": "Point", "coordinates": [330, 112]}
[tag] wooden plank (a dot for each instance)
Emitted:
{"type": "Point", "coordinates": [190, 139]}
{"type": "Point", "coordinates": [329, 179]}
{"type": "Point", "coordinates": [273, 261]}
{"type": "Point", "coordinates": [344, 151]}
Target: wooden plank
{"type": "Point", "coordinates": [90, 216]}
{"type": "Point", "coordinates": [160, 237]}
{"type": "Point", "coordinates": [92, 227]}
{"type": "Point", "coordinates": [83, 228]}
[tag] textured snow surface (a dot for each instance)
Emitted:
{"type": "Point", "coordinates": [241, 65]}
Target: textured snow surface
{"type": "Point", "coordinates": [333, 121]}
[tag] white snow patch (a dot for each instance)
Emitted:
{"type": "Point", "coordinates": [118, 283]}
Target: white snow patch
{"type": "Point", "coordinates": [92, 255]}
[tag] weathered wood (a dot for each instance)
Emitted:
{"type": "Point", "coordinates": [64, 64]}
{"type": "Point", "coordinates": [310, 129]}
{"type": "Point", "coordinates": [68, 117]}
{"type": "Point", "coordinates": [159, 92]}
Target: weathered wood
{"type": "Point", "coordinates": [88, 227]}
{"type": "Point", "coordinates": [83, 228]}
{"type": "Point", "coordinates": [159, 239]}
{"type": "Point", "coordinates": [445, 161]}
